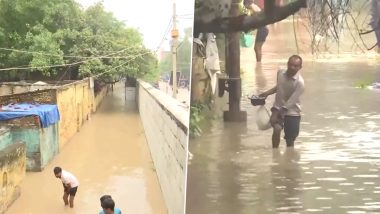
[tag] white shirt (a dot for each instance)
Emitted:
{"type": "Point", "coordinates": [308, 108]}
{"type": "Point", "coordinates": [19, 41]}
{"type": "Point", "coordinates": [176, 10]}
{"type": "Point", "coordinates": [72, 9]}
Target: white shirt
{"type": "Point", "coordinates": [68, 178]}
{"type": "Point", "coordinates": [289, 90]}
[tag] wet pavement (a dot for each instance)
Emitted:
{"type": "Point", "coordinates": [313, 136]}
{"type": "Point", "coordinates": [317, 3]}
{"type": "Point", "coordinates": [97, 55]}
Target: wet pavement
{"type": "Point", "coordinates": [334, 167]}
{"type": "Point", "coordinates": [109, 156]}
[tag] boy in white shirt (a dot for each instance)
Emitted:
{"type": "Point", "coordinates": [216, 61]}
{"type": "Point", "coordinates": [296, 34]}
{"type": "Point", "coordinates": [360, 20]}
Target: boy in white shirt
{"type": "Point", "coordinates": [70, 185]}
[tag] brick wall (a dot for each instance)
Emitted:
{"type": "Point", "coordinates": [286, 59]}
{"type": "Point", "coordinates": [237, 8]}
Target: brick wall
{"type": "Point", "coordinates": [43, 96]}
{"type": "Point", "coordinates": [165, 122]}
{"type": "Point", "coordinates": [22, 122]}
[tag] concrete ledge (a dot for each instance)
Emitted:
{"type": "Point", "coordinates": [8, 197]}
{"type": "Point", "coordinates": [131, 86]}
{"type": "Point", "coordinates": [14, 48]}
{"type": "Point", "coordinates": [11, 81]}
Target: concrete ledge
{"type": "Point", "coordinates": [178, 110]}
{"type": "Point", "coordinates": [166, 122]}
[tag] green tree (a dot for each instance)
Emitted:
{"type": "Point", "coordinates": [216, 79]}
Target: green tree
{"type": "Point", "coordinates": [184, 52]}
{"type": "Point", "coordinates": [56, 32]}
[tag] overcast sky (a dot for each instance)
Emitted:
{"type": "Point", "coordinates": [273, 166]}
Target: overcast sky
{"type": "Point", "coordinates": [150, 17]}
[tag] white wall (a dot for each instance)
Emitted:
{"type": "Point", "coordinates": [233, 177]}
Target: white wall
{"type": "Point", "coordinates": [166, 123]}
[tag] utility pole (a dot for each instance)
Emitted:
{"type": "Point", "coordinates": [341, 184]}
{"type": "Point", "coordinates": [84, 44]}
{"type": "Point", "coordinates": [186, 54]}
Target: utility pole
{"type": "Point", "coordinates": [175, 35]}
{"type": "Point", "coordinates": [234, 114]}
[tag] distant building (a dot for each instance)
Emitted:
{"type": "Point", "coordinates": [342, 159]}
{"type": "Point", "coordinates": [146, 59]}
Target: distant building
{"type": "Point", "coordinates": [162, 54]}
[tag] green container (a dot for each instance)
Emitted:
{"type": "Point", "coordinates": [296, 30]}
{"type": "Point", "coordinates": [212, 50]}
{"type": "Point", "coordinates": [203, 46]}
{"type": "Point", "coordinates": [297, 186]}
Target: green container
{"type": "Point", "coordinates": [246, 39]}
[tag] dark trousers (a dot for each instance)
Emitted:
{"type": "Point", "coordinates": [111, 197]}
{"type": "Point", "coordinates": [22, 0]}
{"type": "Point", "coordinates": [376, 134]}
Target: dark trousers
{"type": "Point", "coordinates": [291, 129]}
{"type": "Point", "coordinates": [290, 124]}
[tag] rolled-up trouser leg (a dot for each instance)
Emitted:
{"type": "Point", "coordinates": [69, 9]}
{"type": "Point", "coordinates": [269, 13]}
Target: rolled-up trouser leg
{"type": "Point", "coordinates": [277, 124]}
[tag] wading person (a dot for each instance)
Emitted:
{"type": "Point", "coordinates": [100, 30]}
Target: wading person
{"type": "Point", "coordinates": [262, 32]}
{"type": "Point", "coordinates": [114, 210]}
{"type": "Point", "coordinates": [70, 185]}
{"type": "Point", "coordinates": [286, 110]}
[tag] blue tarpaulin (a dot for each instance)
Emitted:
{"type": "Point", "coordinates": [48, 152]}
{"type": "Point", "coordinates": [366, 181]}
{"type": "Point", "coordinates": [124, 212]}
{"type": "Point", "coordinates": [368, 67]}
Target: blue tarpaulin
{"type": "Point", "coordinates": [48, 114]}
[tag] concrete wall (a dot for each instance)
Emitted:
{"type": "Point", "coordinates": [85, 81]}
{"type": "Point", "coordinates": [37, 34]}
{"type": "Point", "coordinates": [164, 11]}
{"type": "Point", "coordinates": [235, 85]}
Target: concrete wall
{"type": "Point", "coordinates": [5, 138]}
{"type": "Point", "coordinates": [99, 97]}
{"type": "Point", "coordinates": [75, 101]}
{"type": "Point", "coordinates": [130, 93]}
{"type": "Point", "coordinates": [9, 88]}
{"type": "Point", "coordinates": [49, 144]}
{"type": "Point", "coordinates": [48, 96]}
{"type": "Point", "coordinates": [165, 122]}
{"type": "Point", "coordinates": [17, 88]}
{"type": "Point", "coordinates": [12, 172]}
{"type": "Point", "coordinates": [31, 139]}
{"type": "Point", "coordinates": [41, 143]}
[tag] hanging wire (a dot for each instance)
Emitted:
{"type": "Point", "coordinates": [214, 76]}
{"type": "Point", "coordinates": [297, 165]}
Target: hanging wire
{"type": "Point", "coordinates": [64, 56]}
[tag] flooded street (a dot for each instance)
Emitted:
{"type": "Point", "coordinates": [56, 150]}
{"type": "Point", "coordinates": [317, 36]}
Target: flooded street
{"type": "Point", "coordinates": [334, 167]}
{"type": "Point", "coordinates": [109, 155]}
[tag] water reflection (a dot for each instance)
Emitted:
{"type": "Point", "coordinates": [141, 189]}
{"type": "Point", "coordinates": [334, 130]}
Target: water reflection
{"type": "Point", "coordinates": [286, 178]}
{"type": "Point", "coordinates": [260, 77]}
{"type": "Point", "coordinates": [229, 183]}
{"type": "Point", "coordinates": [334, 168]}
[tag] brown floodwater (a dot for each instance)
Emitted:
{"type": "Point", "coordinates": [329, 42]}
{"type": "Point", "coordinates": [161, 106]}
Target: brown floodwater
{"type": "Point", "coordinates": [334, 167]}
{"type": "Point", "coordinates": [109, 155]}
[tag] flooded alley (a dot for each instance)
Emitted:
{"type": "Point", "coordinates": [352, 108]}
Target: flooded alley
{"type": "Point", "coordinates": [334, 167]}
{"type": "Point", "coordinates": [109, 155]}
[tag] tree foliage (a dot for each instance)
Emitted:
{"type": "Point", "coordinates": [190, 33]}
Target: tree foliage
{"type": "Point", "coordinates": [37, 34]}
{"type": "Point", "coordinates": [214, 15]}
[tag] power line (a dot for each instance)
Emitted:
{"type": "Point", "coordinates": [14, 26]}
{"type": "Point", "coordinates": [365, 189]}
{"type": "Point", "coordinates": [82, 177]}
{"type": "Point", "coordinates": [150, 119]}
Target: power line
{"type": "Point", "coordinates": [54, 66]}
{"type": "Point", "coordinates": [65, 56]}
{"type": "Point", "coordinates": [164, 36]}
{"type": "Point", "coordinates": [113, 68]}
{"type": "Point", "coordinates": [90, 58]}
{"type": "Point", "coordinates": [158, 48]}
{"type": "Point", "coordinates": [75, 63]}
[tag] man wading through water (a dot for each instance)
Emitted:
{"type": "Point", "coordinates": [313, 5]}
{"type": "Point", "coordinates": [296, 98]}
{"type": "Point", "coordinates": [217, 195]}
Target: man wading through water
{"type": "Point", "coordinates": [286, 110]}
{"type": "Point", "coordinates": [262, 32]}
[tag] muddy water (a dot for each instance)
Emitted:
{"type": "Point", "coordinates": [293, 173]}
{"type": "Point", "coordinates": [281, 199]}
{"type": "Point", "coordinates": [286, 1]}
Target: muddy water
{"type": "Point", "coordinates": [109, 156]}
{"type": "Point", "coordinates": [334, 167]}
